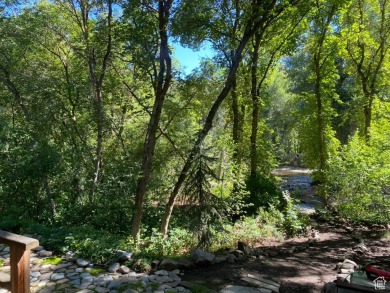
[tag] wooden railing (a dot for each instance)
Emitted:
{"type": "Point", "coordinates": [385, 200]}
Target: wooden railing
{"type": "Point", "coordinates": [20, 246]}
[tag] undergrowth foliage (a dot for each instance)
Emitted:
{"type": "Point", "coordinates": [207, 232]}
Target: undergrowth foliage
{"type": "Point", "coordinates": [263, 192]}
{"type": "Point", "coordinates": [102, 247]}
{"type": "Point", "coordinates": [359, 184]}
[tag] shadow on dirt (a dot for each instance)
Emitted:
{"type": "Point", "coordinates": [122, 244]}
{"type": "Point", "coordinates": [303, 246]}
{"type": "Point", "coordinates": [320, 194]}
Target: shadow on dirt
{"type": "Point", "coordinates": [300, 265]}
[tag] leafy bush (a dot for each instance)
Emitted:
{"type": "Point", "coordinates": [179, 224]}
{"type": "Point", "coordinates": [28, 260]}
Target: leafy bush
{"type": "Point", "coordinates": [155, 246]}
{"type": "Point", "coordinates": [101, 247]}
{"type": "Point", "coordinates": [85, 241]}
{"type": "Point", "coordinates": [264, 227]}
{"type": "Point", "coordinates": [268, 224]}
{"type": "Point", "coordinates": [12, 225]}
{"type": "Point", "coordinates": [263, 193]}
{"type": "Point", "coordinates": [100, 250]}
{"type": "Point", "coordinates": [359, 177]}
{"type": "Point", "coordinates": [294, 223]}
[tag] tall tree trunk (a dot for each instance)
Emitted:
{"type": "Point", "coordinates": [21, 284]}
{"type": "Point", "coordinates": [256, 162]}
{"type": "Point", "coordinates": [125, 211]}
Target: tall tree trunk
{"type": "Point", "coordinates": [235, 104]}
{"type": "Point", "coordinates": [256, 86]}
{"type": "Point", "coordinates": [201, 135]}
{"type": "Point", "coordinates": [318, 60]}
{"type": "Point", "coordinates": [163, 83]}
{"type": "Point", "coordinates": [320, 116]}
{"type": "Point", "coordinates": [99, 144]}
{"type": "Point", "coordinates": [236, 122]}
{"type": "Point", "coordinates": [236, 135]}
{"type": "Point", "coordinates": [368, 116]}
{"type": "Point", "coordinates": [81, 15]}
{"type": "Point", "coordinates": [369, 66]}
{"type": "Point", "coordinates": [255, 106]}
{"type": "Point", "coordinates": [97, 80]}
{"type": "Point", "coordinates": [253, 25]}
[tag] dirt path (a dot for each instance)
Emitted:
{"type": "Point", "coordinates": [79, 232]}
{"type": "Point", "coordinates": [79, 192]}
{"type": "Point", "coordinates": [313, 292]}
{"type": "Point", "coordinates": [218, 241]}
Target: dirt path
{"type": "Point", "coordinates": [300, 266]}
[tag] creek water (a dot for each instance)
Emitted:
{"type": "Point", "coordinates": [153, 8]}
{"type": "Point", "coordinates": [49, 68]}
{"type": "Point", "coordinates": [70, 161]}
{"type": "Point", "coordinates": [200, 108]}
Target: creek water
{"type": "Point", "coordinates": [298, 182]}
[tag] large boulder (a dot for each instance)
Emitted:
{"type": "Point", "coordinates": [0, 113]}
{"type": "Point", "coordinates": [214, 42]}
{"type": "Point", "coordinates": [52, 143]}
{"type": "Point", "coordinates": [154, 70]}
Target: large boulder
{"type": "Point", "coordinates": [69, 256]}
{"type": "Point", "coordinates": [124, 256]}
{"type": "Point", "coordinates": [82, 262]}
{"type": "Point", "coordinates": [202, 257]}
{"type": "Point", "coordinates": [114, 267]}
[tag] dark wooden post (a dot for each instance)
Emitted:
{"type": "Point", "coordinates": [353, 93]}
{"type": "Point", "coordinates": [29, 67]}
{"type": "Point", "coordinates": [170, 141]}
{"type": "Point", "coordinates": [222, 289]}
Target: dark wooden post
{"type": "Point", "coordinates": [20, 260]}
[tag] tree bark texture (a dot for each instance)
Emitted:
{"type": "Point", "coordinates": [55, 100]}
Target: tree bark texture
{"type": "Point", "coordinates": [318, 62]}
{"type": "Point", "coordinates": [236, 122]}
{"type": "Point", "coordinates": [164, 79]}
{"type": "Point", "coordinates": [255, 106]}
{"type": "Point", "coordinates": [368, 66]}
{"type": "Point", "coordinates": [97, 88]}
{"type": "Point", "coordinates": [261, 15]}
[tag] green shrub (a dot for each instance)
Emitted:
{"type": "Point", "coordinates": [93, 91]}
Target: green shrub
{"type": "Point", "coordinates": [13, 225]}
{"type": "Point", "coordinates": [85, 241]}
{"type": "Point", "coordinates": [294, 223]}
{"type": "Point", "coordinates": [359, 178]}
{"type": "Point", "coordinates": [263, 192]}
{"type": "Point", "coordinates": [268, 224]}
{"type": "Point", "coordinates": [154, 246]}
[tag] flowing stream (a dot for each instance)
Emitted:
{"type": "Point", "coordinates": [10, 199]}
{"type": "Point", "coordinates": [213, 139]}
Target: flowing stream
{"type": "Point", "coordinates": [298, 182]}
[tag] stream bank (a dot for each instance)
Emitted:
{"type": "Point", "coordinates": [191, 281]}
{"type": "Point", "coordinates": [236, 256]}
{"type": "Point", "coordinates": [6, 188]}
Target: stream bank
{"type": "Point", "coordinates": [298, 182]}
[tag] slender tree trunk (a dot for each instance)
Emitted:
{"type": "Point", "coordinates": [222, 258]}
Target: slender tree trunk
{"type": "Point", "coordinates": [256, 86]}
{"type": "Point", "coordinates": [163, 83]}
{"type": "Point", "coordinates": [235, 104]}
{"type": "Point", "coordinates": [236, 122]}
{"type": "Point", "coordinates": [99, 144]}
{"type": "Point", "coordinates": [368, 116]}
{"type": "Point", "coordinates": [369, 67]}
{"type": "Point", "coordinates": [236, 135]}
{"type": "Point", "coordinates": [187, 165]}
{"type": "Point", "coordinates": [252, 26]}
{"type": "Point", "coordinates": [320, 117]}
{"type": "Point", "coordinates": [367, 107]}
{"type": "Point", "coordinates": [318, 60]}
{"type": "Point", "coordinates": [97, 80]}
{"type": "Point", "coordinates": [255, 106]}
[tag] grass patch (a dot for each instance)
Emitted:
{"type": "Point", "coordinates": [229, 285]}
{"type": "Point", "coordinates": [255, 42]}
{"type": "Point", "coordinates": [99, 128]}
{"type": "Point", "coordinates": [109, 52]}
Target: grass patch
{"type": "Point", "coordinates": [96, 271]}
{"type": "Point", "coordinates": [1, 262]}
{"type": "Point", "coordinates": [53, 260]}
